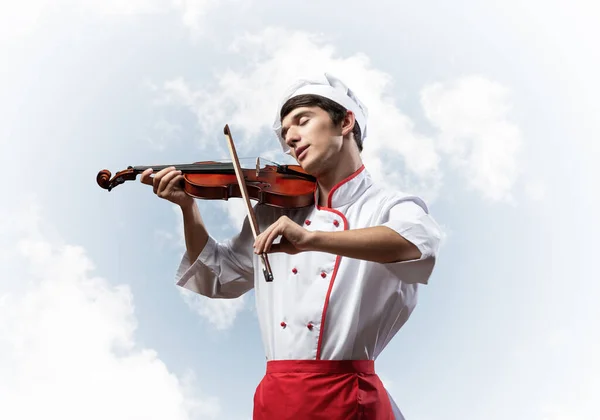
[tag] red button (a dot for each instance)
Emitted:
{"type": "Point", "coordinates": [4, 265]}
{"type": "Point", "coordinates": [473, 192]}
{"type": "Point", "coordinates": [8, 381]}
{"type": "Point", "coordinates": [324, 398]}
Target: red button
{"type": "Point", "coordinates": [283, 324]}
{"type": "Point", "coordinates": [307, 222]}
{"type": "Point", "coordinates": [294, 270]}
{"type": "Point", "coordinates": [309, 326]}
{"type": "Point", "coordinates": [336, 223]}
{"type": "Point", "coordinates": [323, 274]}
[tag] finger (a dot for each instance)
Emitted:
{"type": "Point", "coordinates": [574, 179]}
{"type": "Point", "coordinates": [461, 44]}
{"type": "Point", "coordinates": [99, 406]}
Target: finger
{"type": "Point", "coordinates": [165, 184]}
{"type": "Point", "coordinates": [156, 179]}
{"type": "Point", "coordinates": [146, 177]}
{"type": "Point", "coordinates": [272, 236]}
{"type": "Point", "coordinates": [261, 238]}
{"type": "Point", "coordinates": [176, 183]}
{"type": "Point", "coordinates": [160, 175]}
{"type": "Point", "coordinates": [278, 228]}
{"type": "Point", "coordinates": [272, 232]}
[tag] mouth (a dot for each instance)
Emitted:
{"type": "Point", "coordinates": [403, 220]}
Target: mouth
{"type": "Point", "coordinates": [301, 152]}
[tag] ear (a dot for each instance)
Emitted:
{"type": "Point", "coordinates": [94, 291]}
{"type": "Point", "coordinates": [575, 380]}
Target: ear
{"type": "Point", "coordinates": [348, 123]}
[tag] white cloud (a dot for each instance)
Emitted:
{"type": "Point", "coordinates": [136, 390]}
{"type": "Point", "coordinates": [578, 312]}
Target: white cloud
{"type": "Point", "coordinates": [193, 12]}
{"type": "Point", "coordinates": [536, 189]}
{"type": "Point", "coordinates": [219, 313]}
{"type": "Point", "coordinates": [67, 346]}
{"type": "Point", "coordinates": [475, 132]}
{"type": "Point", "coordinates": [120, 7]}
{"type": "Point", "coordinates": [19, 19]}
{"type": "Point", "coordinates": [246, 99]}
{"type": "Point", "coordinates": [164, 135]}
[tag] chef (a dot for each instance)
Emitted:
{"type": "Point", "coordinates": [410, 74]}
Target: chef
{"type": "Point", "coordinates": [346, 270]}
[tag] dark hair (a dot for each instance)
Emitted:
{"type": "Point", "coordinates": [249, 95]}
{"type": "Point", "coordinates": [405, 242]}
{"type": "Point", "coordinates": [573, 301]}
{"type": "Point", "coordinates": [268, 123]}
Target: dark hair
{"type": "Point", "coordinates": [336, 111]}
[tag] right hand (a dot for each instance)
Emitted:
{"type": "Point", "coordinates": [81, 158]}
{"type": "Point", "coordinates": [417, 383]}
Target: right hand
{"type": "Point", "coordinates": [167, 184]}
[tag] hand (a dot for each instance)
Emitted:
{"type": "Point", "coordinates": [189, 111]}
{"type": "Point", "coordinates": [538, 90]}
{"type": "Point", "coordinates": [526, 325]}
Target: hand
{"type": "Point", "coordinates": [294, 238]}
{"type": "Point", "coordinates": [167, 184]}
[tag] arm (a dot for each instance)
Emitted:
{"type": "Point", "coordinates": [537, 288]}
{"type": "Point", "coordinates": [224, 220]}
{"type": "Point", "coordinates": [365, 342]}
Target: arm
{"type": "Point", "coordinates": [379, 244]}
{"type": "Point", "coordinates": [216, 270]}
{"type": "Point", "coordinates": [196, 235]}
{"type": "Point", "coordinates": [406, 239]}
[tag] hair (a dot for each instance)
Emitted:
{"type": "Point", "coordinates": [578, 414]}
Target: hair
{"type": "Point", "coordinates": [336, 111]}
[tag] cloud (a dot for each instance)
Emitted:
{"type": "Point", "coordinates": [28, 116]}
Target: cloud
{"type": "Point", "coordinates": [67, 345]}
{"type": "Point", "coordinates": [246, 99]}
{"type": "Point", "coordinates": [19, 19]}
{"type": "Point", "coordinates": [219, 313]}
{"type": "Point", "coordinates": [193, 12]}
{"type": "Point", "coordinates": [164, 134]}
{"type": "Point", "coordinates": [536, 189]}
{"type": "Point", "coordinates": [476, 133]}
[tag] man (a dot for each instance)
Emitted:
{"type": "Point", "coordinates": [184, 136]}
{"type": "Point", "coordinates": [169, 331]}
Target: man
{"type": "Point", "coordinates": [346, 270]}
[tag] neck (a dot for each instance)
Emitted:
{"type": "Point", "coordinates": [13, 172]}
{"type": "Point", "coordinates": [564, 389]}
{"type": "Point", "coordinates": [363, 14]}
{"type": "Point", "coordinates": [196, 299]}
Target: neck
{"type": "Point", "coordinates": [347, 165]}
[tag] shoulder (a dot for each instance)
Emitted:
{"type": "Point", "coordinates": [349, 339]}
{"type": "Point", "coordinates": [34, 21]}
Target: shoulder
{"type": "Point", "coordinates": [389, 197]}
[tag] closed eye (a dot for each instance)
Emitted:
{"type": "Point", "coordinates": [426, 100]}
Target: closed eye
{"type": "Point", "coordinates": [301, 117]}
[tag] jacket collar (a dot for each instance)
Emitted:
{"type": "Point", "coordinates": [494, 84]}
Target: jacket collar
{"type": "Point", "coordinates": [347, 190]}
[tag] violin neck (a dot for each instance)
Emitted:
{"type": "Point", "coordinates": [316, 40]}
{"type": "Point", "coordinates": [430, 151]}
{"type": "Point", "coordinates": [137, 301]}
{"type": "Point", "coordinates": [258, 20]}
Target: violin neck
{"type": "Point", "coordinates": [191, 168]}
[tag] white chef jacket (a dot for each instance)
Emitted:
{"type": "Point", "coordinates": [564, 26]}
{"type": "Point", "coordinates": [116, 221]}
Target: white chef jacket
{"type": "Point", "coordinates": [319, 305]}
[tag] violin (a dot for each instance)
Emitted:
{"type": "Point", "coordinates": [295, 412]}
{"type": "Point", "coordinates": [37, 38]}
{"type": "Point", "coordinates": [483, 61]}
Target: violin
{"type": "Point", "coordinates": [282, 186]}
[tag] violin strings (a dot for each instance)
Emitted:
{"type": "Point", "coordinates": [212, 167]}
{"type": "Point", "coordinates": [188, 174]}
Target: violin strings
{"type": "Point", "coordinates": [226, 167]}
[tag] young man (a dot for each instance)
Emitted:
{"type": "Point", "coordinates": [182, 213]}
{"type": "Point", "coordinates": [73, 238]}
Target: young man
{"type": "Point", "coordinates": [346, 270]}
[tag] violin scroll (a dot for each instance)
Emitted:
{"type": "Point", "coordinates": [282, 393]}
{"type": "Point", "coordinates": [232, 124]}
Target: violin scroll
{"type": "Point", "coordinates": [105, 182]}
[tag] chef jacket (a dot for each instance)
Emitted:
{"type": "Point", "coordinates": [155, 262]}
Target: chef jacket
{"type": "Point", "coordinates": [319, 305]}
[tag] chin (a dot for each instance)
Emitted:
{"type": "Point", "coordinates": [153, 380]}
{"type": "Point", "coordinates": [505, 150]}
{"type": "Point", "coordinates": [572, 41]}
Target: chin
{"type": "Point", "coordinates": [311, 167]}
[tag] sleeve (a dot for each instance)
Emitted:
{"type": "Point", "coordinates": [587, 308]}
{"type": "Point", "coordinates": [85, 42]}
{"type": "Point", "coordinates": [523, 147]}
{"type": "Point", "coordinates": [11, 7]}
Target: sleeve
{"type": "Point", "coordinates": [410, 218]}
{"type": "Point", "coordinates": [222, 270]}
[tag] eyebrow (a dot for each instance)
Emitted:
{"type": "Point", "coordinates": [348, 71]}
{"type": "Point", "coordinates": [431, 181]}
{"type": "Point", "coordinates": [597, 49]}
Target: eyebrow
{"type": "Point", "coordinates": [294, 118]}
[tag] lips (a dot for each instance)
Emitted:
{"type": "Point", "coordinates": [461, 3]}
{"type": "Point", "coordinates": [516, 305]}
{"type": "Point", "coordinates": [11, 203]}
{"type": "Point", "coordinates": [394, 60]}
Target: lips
{"type": "Point", "coordinates": [300, 152]}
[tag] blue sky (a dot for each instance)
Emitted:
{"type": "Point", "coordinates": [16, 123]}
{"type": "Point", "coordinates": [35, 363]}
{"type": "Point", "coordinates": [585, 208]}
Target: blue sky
{"type": "Point", "coordinates": [488, 111]}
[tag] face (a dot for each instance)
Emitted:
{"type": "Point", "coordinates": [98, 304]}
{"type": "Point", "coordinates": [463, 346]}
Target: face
{"type": "Point", "coordinates": [314, 141]}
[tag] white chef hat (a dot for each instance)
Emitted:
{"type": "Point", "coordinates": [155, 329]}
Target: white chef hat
{"type": "Point", "coordinates": [330, 87]}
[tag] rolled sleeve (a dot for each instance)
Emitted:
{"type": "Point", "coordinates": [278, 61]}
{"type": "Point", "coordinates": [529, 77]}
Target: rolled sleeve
{"type": "Point", "coordinates": [410, 218]}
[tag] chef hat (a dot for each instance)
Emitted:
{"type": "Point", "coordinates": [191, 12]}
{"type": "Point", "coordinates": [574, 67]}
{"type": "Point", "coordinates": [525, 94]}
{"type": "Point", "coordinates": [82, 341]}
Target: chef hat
{"type": "Point", "coordinates": [330, 87]}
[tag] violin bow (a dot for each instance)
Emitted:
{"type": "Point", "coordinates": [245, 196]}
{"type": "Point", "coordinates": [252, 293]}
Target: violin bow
{"type": "Point", "coordinates": [242, 183]}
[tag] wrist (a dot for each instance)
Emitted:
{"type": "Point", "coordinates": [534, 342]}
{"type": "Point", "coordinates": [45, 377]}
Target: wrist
{"type": "Point", "coordinates": [314, 241]}
{"type": "Point", "coordinates": [188, 205]}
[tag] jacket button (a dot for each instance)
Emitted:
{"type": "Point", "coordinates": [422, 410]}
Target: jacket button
{"type": "Point", "coordinates": [336, 223]}
{"type": "Point", "coordinates": [309, 326]}
{"type": "Point", "coordinates": [283, 324]}
{"type": "Point", "coordinates": [323, 274]}
{"type": "Point", "coordinates": [307, 222]}
{"type": "Point", "coordinates": [294, 270]}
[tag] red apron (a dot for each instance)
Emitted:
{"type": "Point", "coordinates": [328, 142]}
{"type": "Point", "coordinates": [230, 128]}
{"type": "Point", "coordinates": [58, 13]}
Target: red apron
{"type": "Point", "coordinates": [321, 389]}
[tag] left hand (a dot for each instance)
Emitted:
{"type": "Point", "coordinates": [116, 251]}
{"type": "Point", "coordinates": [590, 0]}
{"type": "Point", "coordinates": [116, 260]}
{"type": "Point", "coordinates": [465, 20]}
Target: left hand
{"type": "Point", "coordinates": [294, 238]}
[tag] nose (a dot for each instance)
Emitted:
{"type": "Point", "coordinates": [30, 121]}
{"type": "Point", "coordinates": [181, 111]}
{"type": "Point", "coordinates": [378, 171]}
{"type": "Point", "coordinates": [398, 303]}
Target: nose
{"type": "Point", "coordinates": [292, 136]}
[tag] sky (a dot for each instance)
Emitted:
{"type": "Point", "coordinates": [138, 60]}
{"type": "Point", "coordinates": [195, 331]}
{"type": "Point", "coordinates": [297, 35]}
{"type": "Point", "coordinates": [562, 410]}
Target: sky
{"type": "Point", "coordinates": [487, 110]}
